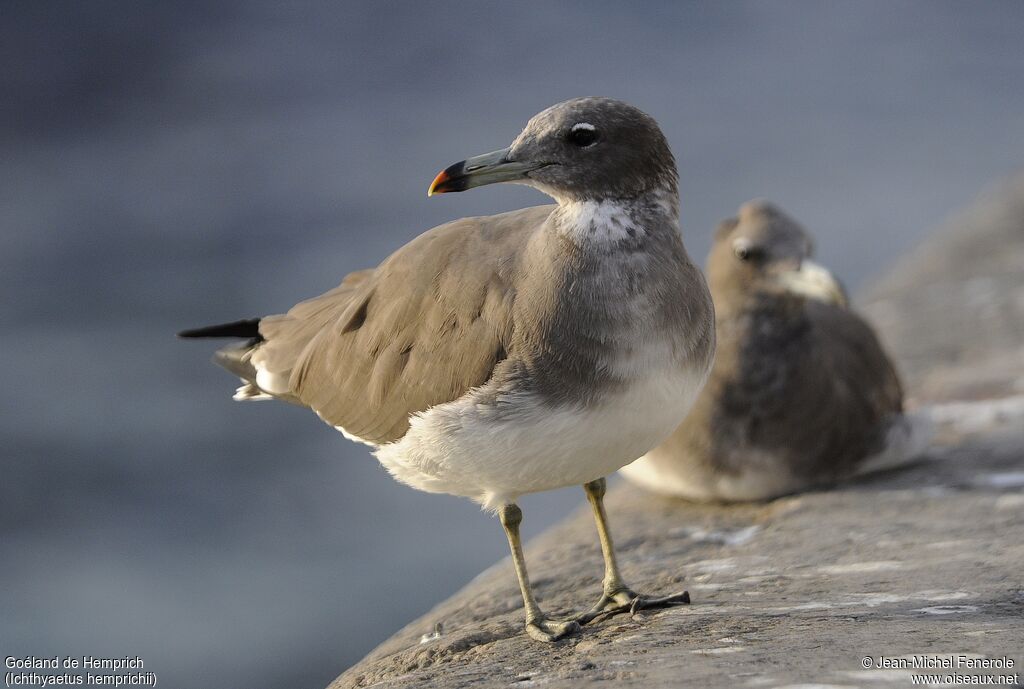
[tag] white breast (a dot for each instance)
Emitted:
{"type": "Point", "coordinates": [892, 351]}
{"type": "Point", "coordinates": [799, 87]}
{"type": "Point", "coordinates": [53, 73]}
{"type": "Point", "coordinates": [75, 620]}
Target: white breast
{"type": "Point", "coordinates": [468, 448]}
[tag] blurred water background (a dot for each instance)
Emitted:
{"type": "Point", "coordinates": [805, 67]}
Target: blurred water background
{"type": "Point", "coordinates": [171, 164]}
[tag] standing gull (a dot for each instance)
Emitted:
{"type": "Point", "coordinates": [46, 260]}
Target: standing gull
{"type": "Point", "coordinates": [497, 356]}
{"type": "Point", "coordinates": [801, 392]}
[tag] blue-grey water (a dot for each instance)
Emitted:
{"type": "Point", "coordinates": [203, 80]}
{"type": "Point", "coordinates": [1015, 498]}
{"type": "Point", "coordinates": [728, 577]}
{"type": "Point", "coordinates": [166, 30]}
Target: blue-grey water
{"type": "Point", "coordinates": [170, 164]}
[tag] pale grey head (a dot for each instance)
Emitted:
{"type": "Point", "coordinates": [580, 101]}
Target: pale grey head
{"type": "Point", "coordinates": [764, 251]}
{"type": "Point", "coordinates": [581, 149]}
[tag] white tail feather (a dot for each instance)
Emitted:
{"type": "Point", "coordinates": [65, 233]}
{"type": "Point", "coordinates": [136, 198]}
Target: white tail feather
{"type": "Point", "coordinates": [908, 439]}
{"type": "Point", "coordinates": [250, 393]}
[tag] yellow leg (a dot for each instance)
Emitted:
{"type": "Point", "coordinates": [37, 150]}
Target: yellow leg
{"type": "Point", "coordinates": [616, 597]}
{"type": "Point", "coordinates": [537, 624]}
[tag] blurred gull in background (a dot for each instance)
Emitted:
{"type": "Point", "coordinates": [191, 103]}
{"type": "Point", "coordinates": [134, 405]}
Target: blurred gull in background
{"type": "Point", "coordinates": [801, 393]}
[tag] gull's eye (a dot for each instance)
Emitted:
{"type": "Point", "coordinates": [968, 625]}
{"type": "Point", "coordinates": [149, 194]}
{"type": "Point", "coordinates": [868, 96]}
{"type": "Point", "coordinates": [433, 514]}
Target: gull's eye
{"type": "Point", "coordinates": [748, 252]}
{"type": "Point", "coordinates": [583, 135]}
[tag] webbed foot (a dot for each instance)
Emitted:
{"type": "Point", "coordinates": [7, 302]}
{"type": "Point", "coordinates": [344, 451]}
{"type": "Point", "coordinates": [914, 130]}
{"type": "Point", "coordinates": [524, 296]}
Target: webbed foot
{"type": "Point", "coordinates": [627, 600]}
{"type": "Point", "coordinates": [547, 630]}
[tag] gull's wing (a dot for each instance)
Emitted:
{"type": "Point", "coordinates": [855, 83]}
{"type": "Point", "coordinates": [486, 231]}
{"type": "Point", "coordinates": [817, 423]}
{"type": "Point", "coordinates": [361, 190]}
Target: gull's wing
{"type": "Point", "coordinates": [852, 350]}
{"type": "Point", "coordinates": [428, 324]}
{"type": "Point", "coordinates": [813, 385]}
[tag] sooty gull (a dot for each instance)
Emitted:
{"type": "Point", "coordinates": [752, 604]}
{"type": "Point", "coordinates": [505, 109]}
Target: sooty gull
{"type": "Point", "coordinates": [801, 392]}
{"type": "Point", "coordinates": [497, 356]}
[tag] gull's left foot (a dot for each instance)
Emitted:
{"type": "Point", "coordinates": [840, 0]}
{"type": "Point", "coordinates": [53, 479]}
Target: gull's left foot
{"type": "Point", "coordinates": [626, 600]}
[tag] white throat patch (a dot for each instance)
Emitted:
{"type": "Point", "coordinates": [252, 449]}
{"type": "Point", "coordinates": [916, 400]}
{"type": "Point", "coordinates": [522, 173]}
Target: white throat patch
{"type": "Point", "coordinates": [600, 222]}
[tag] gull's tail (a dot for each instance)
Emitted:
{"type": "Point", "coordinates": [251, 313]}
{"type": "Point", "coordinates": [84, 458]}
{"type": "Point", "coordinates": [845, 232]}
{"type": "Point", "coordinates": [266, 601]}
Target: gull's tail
{"type": "Point", "coordinates": [246, 329]}
{"type": "Point", "coordinates": [236, 358]}
{"type": "Point", "coordinates": [907, 439]}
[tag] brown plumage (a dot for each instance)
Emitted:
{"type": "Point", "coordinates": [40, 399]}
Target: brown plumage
{"type": "Point", "coordinates": [407, 335]}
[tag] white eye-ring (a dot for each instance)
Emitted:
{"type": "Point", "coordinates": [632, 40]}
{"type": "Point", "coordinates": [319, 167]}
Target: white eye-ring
{"type": "Point", "coordinates": [583, 134]}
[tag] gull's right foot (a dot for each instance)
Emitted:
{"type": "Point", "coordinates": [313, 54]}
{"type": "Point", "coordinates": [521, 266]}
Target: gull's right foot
{"type": "Point", "coordinates": [551, 630]}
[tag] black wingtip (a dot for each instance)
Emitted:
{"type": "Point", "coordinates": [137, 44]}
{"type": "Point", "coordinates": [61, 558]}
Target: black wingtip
{"type": "Point", "coordinates": [245, 329]}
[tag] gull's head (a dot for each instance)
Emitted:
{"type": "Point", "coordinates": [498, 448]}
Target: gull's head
{"type": "Point", "coordinates": [581, 149]}
{"type": "Point", "coordinates": [764, 251]}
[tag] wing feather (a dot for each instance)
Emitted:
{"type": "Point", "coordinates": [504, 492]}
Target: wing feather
{"type": "Point", "coordinates": [428, 324]}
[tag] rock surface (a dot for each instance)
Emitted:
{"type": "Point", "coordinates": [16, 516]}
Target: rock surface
{"type": "Point", "coordinates": [924, 560]}
{"type": "Point", "coordinates": [953, 310]}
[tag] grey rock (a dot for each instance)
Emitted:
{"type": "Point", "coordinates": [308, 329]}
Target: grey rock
{"type": "Point", "coordinates": [953, 310]}
{"type": "Point", "coordinates": [924, 560]}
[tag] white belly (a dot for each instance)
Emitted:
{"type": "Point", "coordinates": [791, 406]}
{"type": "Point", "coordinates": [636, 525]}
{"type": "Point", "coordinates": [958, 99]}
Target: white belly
{"type": "Point", "coordinates": [663, 470]}
{"type": "Point", "coordinates": [468, 447]}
